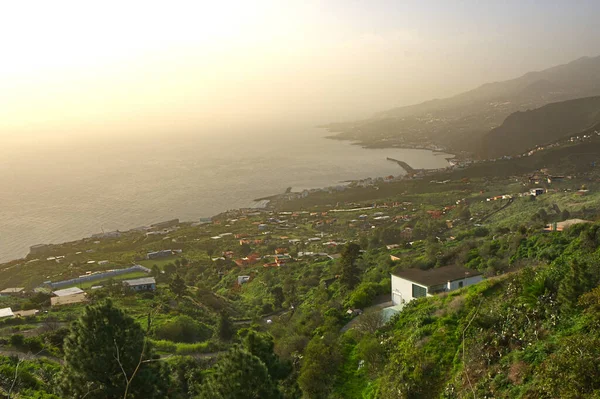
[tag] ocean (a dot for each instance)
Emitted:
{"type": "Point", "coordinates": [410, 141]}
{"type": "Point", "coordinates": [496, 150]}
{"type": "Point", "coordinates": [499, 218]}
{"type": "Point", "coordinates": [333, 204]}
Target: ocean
{"type": "Point", "coordinates": [62, 191]}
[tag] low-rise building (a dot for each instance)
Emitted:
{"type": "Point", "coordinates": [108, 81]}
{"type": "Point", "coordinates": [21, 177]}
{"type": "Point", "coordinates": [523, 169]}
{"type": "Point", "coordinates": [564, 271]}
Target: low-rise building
{"type": "Point", "coordinates": [26, 313]}
{"type": "Point", "coordinates": [68, 291]}
{"type": "Point", "coordinates": [243, 279]}
{"type": "Point", "coordinates": [141, 284]}
{"type": "Point", "coordinates": [159, 254]}
{"type": "Point", "coordinates": [537, 191]}
{"type": "Point", "coordinates": [68, 299]}
{"type": "Point", "coordinates": [6, 312]}
{"type": "Point", "coordinates": [560, 226]}
{"type": "Point", "coordinates": [415, 283]}
{"type": "Point", "coordinates": [18, 291]}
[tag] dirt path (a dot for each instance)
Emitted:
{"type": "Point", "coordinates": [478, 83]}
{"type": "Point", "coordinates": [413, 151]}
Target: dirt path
{"type": "Point", "coordinates": [28, 355]}
{"type": "Point", "coordinates": [510, 201]}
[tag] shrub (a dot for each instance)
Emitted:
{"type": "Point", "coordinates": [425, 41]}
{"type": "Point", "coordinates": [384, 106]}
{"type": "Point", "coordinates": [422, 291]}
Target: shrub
{"type": "Point", "coordinates": [364, 294]}
{"type": "Point", "coordinates": [17, 340]}
{"type": "Point", "coordinates": [183, 329]}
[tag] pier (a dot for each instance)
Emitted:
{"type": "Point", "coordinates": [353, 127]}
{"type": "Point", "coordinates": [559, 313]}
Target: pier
{"type": "Point", "coordinates": [409, 169]}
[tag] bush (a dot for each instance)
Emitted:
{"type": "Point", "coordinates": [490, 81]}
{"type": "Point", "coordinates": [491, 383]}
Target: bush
{"type": "Point", "coordinates": [364, 294]}
{"type": "Point", "coordinates": [33, 344]}
{"type": "Point", "coordinates": [17, 340]}
{"type": "Point", "coordinates": [183, 329]}
{"type": "Point", "coordinates": [480, 232]}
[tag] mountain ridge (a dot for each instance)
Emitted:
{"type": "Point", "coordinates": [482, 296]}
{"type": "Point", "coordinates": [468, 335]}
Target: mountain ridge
{"type": "Point", "coordinates": [523, 130]}
{"type": "Point", "coordinates": [460, 123]}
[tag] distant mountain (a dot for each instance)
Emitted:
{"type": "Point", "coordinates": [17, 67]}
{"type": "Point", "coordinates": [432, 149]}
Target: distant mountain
{"type": "Point", "coordinates": [524, 130]}
{"type": "Point", "coordinates": [459, 123]}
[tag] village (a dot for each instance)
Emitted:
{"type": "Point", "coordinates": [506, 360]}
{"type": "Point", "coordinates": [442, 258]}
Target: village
{"type": "Point", "coordinates": [241, 243]}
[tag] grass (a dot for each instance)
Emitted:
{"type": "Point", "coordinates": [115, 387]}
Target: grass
{"type": "Point", "coordinates": [177, 348]}
{"type": "Point", "coordinates": [159, 262]}
{"type": "Point", "coordinates": [353, 380]}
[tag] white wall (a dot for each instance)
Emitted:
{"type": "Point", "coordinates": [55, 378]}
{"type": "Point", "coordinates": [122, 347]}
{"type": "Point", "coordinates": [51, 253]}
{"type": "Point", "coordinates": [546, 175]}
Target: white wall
{"type": "Point", "coordinates": [453, 285]}
{"type": "Point", "coordinates": [402, 290]}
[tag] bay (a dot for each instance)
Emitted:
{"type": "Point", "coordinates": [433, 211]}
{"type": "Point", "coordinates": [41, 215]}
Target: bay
{"type": "Point", "coordinates": [59, 191]}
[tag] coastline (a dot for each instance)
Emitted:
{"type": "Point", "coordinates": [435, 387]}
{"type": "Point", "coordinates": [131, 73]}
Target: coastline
{"type": "Point", "coordinates": [339, 135]}
{"type": "Point", "coordinates": [269, 202]}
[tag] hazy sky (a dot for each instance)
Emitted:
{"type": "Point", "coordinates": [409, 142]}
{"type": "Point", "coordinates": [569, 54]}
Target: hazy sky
{"type": "Point", "coordinates": [79, 67]}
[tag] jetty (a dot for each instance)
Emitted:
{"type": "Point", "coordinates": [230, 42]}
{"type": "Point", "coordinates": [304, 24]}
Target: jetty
{"type": "Point", "coordinates": [409, 169]}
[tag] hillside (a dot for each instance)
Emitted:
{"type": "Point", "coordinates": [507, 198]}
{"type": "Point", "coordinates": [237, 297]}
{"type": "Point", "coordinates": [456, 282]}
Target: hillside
{"type": "Point", "coordinates": [510, 337]}
{"type": "Point", "coordinates": [524, 130]}
{"type": "Point", "coordinates": [286, 321]}
{"type": "Point", "coordinates": [459, 122]}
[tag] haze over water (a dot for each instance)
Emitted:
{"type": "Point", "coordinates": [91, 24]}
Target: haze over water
{"type": "Point", "coordinates": [58, 192]}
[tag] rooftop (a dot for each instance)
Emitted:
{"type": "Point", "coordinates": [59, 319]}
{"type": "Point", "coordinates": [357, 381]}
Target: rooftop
{"type": "Point", "coordinates": [68, 300]}
{"type": "Point", "coordinates": [12, 290]}
{"type": "Point", "coordinates": [140, 281]}
{"type": "Point", "coordinates": [26, 313]}
{"type": "Point", "coordinates": [6, 312]}
{"type": "Point", "coordinates": [68, 291]}
{"type": "Point", "coordinates": [436, 276]}
{"type": "Point", "coordinates": [571, 222]}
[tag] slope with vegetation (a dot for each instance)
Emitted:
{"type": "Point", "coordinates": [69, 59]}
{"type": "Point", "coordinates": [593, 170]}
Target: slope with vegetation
{"type": "Point", "coordinates": [524, 130]}
{"type": "Point", "coordinates": [529, 330]}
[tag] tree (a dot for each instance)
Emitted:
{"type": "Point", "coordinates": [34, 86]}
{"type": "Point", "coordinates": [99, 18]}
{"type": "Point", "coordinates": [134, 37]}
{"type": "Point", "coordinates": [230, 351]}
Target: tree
{"type": "Point", "coordinates": [322, 358]}
{"type": "Point", "coordinates": [349, 275]}
{"type": "Point", "coordinates": [464, 213]}
{"type": "Point", "coordinates": [543, 215]}
{"type": "Point", "coordinates": [575, 283]}
{"type": "Point", "coordinates": [370, 321]}
{"type": "Point", "coordinates": [278, 296]}
{"type": "Point", "coordinates": [210, 251]}
{"type": "Point", "coordinates": [372, 352]}
{"type": "Point", "coordinates": [107, 355]}
{"type": "Point", "coordinates": [390, 235]}
{"type": "Point", "coordinates": [245, 250]}
{"type": "Point", "coordinates": [225, 327]}
{"type": "Point", "coordinates": [262, 346]}
{"type": "Point", "coordinates": [177, 285]}
{"type": "Point", "coordinates": [183, 329]}
{"type": "Point", "coordinates": [170, 269]}
{"type": "Point", "coordinates": [239, 375]}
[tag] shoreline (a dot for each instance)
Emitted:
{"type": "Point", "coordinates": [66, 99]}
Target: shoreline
{"type": "Point", "coordinates": [339, 136]}
{"type": "Point", "coordinates": [268, 199]}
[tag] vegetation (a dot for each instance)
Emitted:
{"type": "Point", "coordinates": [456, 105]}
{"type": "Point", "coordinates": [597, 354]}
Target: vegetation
{"type": "Point", "coordinates": [224, 324]}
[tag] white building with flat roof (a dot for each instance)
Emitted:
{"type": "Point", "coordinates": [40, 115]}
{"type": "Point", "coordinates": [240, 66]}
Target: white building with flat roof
{"type": "Point", "coordinates": [415, 283]}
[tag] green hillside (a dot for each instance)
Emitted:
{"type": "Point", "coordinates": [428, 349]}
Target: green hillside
{"type": "Point", "coordinates": [528, 330]}
{"type": "Point", "coordinates": [522, 131]}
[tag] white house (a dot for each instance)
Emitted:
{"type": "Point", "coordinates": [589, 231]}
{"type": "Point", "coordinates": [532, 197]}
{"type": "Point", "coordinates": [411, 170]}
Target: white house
{"type": "Point", "coordinates": [537, 191]}
{"type": "Point", "coordinates": [415, 283]}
